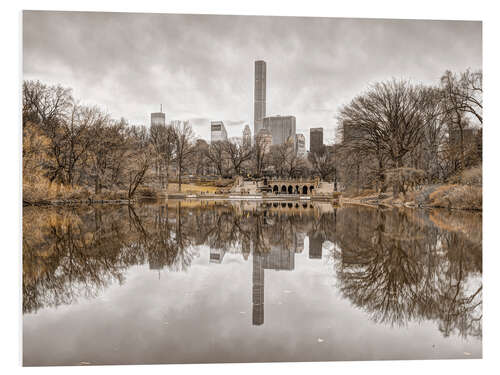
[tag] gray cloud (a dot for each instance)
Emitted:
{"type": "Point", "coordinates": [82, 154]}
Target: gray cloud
{"type": "Point", "coordinates": [201, 67]}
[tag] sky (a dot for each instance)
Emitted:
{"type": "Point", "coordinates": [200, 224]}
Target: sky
{"type": "Point", "coordinates": [200, 68]}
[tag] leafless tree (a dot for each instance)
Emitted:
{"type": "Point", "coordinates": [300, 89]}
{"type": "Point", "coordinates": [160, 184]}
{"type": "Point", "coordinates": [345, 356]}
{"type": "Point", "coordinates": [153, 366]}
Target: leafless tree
{"type": "Point", "coordinates": [237, 155]}
{"type": "Point", "coordinates": [183, 151]}
{"type": "Point", "coordinates": [163, 142]}
{"type": "Point", "coordinates": [217, 157]}
{"type": "Point", "coordinates": [388, 122]}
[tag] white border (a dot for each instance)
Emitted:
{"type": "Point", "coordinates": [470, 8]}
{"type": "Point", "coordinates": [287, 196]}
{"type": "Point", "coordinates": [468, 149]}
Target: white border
{"type": "Point", "coordinates": [11, 160]}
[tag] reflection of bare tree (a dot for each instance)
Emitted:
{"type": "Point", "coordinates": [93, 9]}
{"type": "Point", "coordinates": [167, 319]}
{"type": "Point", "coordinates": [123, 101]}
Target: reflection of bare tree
{"type": "Point", "coordinates": [397, 265]}
{"type": "Point", "coordinates": [399, 269]}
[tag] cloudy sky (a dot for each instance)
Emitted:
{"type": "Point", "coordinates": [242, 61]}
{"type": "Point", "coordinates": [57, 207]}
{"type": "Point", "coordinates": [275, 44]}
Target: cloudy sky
{"type": "Point", "coordinates": [200, 68]}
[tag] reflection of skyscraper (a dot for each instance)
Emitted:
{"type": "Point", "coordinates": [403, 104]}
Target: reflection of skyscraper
{"type": "Point", "coordinates": [278, 259]}
{"type": "Point", "coordinates": [299, 242]}
{"type": "Point", "coordinates": [257, 290]}
{"type": "Point", "coordinates": [259, 96]}
{"type": "Point", "coordinates": [315, 246]}
{"type": "Point", "coordinates": [216, 255]}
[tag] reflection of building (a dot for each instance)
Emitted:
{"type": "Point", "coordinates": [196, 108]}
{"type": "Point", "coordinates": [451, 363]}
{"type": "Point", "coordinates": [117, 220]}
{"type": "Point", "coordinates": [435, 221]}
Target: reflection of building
{"type": "Point", "coordinates": [299, 242]}
{"type": "Point", "coordinates": [281, 128]}
{"type": "Point", "coordinates": [278, 259]}
{"type": "Point", "coordinates": [259, 106]}
{"type": "Point", "coordinates": [257, 290]}
{"type": "Point", "coordinates": [247, 137]}
{"type": "Point", "coordinates": [235, 140]}
{"type": "Point", "coordinates": [217, 131]}
{"type": "Point", "coordinates": [216, 255]}
{"type": "Point", "coordinates": [157, 119]}
{"type": "Point", "coordinates": [315, 246]}
{"type": "Point", "coordinates": [315, 139]}
{"type": "Point", "coordinates": [300, 145]}
{"type": "Point", "coordinates": [265, 139]}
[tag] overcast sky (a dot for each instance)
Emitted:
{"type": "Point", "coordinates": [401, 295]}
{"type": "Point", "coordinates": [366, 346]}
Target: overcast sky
{"type": "Point", "coordinates": [201, 67]}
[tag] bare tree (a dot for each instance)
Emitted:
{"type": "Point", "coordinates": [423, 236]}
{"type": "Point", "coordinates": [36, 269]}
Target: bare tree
{"type": "Point", "coordinates": [163, 142]}
{"type": "Point", "coordinates": [261, 156]}
{"type": "Point", "coordinates": [183, 151]}
{"type": "Point", "coordinates": [139, 158]}
{"type": "Point", "coordinates": [388, 121]}
{"type": "Point", "coordinates": [216, 154]}
{"type": "Point", "coordinates": [237, 155]}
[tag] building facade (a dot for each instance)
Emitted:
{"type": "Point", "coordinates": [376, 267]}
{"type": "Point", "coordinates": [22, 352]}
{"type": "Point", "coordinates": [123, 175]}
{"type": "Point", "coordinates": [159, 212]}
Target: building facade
{"type": "Point", "coordinates": [265, 139]}
{"type": "Point", "coordinates": [157, 119]}
{"type": "Point", "coordinates": [300, 145]}
{"type": "Point", "coordinates": [281, 128]}
{"type": "Point", "coordinates": [315, 139]}
{"type": "Point", "coordinates": [259, 108]}
{"type": "Point", "coordinates": [247, 137]}
{"type": "Point", "coordinates": [217, 131]}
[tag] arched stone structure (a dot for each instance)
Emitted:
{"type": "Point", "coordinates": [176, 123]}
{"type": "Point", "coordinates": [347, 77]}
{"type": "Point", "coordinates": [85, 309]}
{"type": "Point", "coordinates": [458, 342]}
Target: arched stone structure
{"type": "Point", "coordinates": [304, 189]}
{"type": "Point", "coordinates": [283, 188]}
{"type": "Point", "coordinates": [290, 189]}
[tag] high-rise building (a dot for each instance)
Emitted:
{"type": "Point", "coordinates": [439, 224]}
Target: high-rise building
{"type": "Point", "coordinates": [247, 137]}
{"type": "Point", "coordinates": [300, 145]}
{"type": "Point", "coordinates": [281, 127]}
{"type": "Point", "coordinates": [158, 119]}
{"type": "Point", "coordinates": [217, 131]}
{"type": "Point", "coordinates": [264, 139]}
{"type": "Point", "coordinates": [315, 139]}
{"type": "Point", "coordinates": [259, 107]}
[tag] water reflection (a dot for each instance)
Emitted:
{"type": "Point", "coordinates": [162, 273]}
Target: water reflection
{"type": "Point", "coordinates": [398, 266]}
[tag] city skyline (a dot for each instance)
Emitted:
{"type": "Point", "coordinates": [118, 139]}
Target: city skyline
{"type": "Point", "coordinates": [214, 81]}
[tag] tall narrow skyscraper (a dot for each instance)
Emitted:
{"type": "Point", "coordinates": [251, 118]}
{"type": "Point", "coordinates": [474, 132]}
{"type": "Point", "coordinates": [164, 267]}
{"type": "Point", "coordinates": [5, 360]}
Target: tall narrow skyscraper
{"type": "Point", "coordinates": [259, 106]}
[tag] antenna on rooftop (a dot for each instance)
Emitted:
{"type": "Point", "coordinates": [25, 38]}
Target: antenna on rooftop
{"type": "Point", "coordinates": [161, 108]}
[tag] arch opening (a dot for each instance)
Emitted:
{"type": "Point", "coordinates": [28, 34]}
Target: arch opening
{"type": "Point", "coordinates": [304, 190]}
{"type": "Point", "coordinates": [290, 189]}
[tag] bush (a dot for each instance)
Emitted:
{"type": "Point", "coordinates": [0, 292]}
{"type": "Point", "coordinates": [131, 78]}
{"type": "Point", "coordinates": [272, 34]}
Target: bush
{"type": "Point", "coordinates": [458, 196]}
{"type": "Point", "coordinates": [470, 177]}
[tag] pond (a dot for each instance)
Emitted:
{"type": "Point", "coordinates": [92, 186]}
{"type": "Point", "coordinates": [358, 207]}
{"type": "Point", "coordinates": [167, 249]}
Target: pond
{"type": "Point", "coordinates": [206, 281]}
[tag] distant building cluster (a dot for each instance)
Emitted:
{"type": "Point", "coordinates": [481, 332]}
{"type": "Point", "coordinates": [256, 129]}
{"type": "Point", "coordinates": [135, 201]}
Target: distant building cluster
{"type": "Point", "coordinates": [273, 130]}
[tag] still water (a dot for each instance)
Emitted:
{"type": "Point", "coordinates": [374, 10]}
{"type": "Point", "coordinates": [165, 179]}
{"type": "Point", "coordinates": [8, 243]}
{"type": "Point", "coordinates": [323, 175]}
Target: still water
{"type": "Point", "coordinates": [198, 282]}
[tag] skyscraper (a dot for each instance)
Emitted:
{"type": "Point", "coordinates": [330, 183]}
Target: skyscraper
{"type": "Point", "coordinates": [158, 118]}
{"type": "Point", "coordinates": [300, 145]}
{"type": "Point", "coordinates": [264, 139]}
{"type": "Point", "coordinates": [247, 137]}
{"type": "Point", "coordinates": [259, 108]}
{"type": "Point", "coordinates": [315, 139]}
{"type": "Point", "coordinates": [281, 127]}
{"type": "Point", "coordinates": [217, 131]}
